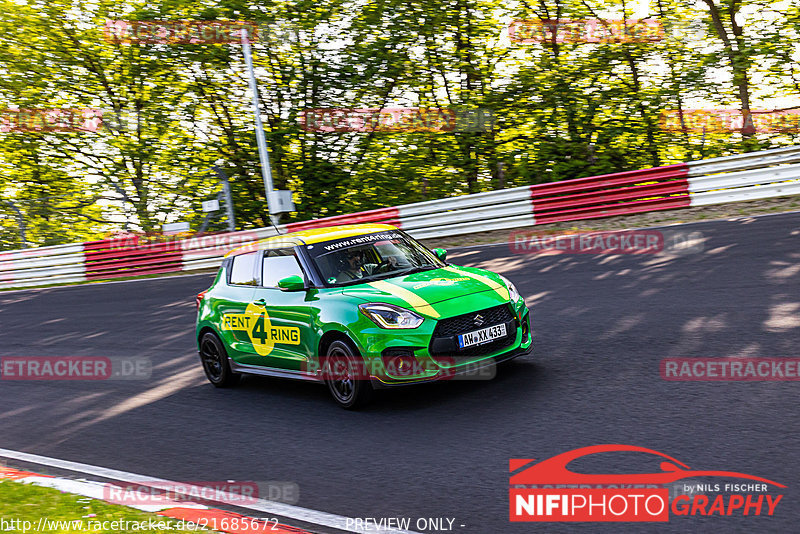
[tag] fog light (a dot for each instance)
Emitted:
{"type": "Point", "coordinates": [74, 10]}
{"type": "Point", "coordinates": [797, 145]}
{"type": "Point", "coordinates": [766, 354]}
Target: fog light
{"type": "Point", "coordinates": [400, 362]}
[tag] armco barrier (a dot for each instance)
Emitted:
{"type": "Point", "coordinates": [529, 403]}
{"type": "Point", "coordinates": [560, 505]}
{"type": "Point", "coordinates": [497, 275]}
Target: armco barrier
{"type": "Point", "coordinates": [765, 174]}
{"type": "Point", "coordinates": [621, 193]}
{"type": "Point", "coordinates": [115, 258]}
{"type": "Point", "coordinates": [106, 259]}
{"type": "Point", "coordinates": [745, 185]}
{"type": "Point", "coordinates": [742, 162]}
{"type": "Point", "coordinates": [58, 264]}
{"type": "Point", "coordinates": [495, 210]}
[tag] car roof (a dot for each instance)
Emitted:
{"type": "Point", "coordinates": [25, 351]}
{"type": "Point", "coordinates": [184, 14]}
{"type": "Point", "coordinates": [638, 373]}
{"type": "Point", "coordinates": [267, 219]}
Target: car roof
{"type": "Point", "coordinates": [313, 235]}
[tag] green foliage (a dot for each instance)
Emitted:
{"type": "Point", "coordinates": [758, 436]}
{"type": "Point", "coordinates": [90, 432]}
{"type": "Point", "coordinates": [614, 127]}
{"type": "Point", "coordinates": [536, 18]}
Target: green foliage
{"type": "Point", "coordinates": [562, 109]}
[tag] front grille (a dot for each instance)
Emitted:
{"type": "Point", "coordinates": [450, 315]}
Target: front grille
{"type": "Point", "coordinates": [461, 324]}
{"type": "Point", "coordinates": [444, 342]}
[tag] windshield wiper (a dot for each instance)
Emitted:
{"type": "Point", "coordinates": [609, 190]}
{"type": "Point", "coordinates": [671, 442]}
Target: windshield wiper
{"type": "Point", "coordinates": [410, 270]}
{"type": "Point", "coordinates": [424, 268]}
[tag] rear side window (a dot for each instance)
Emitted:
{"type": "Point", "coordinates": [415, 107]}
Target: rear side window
{"type": "Point", "coordinates": [243, 270]}
{"type": "Point", "coordinates": [279, 264]}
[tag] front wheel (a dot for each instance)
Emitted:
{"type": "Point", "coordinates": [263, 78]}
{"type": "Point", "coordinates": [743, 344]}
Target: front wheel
{"type": "Point", "coordinates": [346, 377]}
{"type": "Point", "coordinates": [215, 362]}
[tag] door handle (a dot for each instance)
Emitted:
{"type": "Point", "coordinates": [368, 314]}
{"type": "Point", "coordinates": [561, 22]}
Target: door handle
{"type": "Point", "coordinates": [260, 302]}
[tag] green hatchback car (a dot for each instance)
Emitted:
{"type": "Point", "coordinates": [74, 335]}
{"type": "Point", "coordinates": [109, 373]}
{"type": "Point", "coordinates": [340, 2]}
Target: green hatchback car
{"type": "Point", "coordinates": [357, 307]}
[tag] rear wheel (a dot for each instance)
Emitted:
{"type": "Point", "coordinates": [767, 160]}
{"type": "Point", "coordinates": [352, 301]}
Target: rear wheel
{"type": "Point", "coordinates": [215, 362]}
{"type": "Point", "coordinates": [346, 377]}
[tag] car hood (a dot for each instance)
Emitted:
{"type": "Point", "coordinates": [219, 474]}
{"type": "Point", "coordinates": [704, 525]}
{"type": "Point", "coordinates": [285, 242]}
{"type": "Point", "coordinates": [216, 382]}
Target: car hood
{"type": "Point", "coordinates": [423, 290]}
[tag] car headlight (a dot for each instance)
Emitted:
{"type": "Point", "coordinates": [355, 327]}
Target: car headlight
{"type": "Point", "coordinates": [390, 316]}
{"type": "Point", "coordinates": [512, 290]}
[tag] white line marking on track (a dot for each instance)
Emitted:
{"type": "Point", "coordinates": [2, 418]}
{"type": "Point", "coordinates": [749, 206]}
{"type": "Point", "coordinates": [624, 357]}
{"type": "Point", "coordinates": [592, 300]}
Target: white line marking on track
{"type": "Point", "coordinates": [260, 505]}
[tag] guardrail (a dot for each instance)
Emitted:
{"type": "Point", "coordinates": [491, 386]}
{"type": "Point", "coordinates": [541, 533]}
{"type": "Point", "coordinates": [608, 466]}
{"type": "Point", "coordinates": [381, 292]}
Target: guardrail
{"type": "Point", "coordinates": [658, 188]}
{"type": "Point", "coordinates": [766, 174]}
{"type": "Point", "coordinates": [58, 264]}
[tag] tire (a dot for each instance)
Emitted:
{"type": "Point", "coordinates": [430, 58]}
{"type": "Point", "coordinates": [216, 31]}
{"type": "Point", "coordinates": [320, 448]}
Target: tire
{"type": "Point", "coordinates": [345, 377]}
{"type": "Point", "coordinates": [215, 362]}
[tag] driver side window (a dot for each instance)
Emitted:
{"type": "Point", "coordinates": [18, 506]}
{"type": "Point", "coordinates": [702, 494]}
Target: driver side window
{"type": "Point", "coordinates": [278, 264]}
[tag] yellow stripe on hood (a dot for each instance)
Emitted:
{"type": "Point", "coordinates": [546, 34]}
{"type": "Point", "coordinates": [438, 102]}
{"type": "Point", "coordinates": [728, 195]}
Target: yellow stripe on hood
{"type": "Point", "coordinates": [415, 301]}
{"type": "Point", "coordinates": [501, 289]}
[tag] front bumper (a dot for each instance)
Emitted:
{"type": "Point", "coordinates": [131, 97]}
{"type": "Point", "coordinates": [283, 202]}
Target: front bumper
{"type": "Point", "coordinates": [481, 370]}
{"type": "Point", "coordinates": [461, 367]}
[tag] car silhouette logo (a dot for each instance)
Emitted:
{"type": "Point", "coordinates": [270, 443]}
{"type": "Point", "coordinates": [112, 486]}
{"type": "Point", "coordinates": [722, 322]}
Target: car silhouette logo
{"type": "Point", "coordinates": [554, 470]}
{"type": "Point", "coordinates": [478, 320]}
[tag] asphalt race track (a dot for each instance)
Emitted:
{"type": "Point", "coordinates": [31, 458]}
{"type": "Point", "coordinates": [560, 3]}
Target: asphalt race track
{"type": "Point", "coordinates": [601, 324]}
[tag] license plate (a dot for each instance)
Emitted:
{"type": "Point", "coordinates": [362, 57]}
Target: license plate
{"type": "Point", "coordinates": [481, 336]}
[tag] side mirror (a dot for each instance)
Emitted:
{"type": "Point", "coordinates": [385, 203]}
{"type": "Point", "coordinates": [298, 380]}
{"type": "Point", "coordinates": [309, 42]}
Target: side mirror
{"type": "Point", "coordinates": [292, 283]}
{"type": "Point", "coordinates": [440, 253]}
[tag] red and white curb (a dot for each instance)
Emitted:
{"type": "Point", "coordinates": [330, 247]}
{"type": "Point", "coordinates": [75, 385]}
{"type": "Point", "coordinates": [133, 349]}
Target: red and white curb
{"type": "Point", "coordinates": [187, 511]}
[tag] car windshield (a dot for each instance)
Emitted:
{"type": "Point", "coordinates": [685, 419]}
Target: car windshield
{"type": "Point", "coordinates": [370, 257]}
